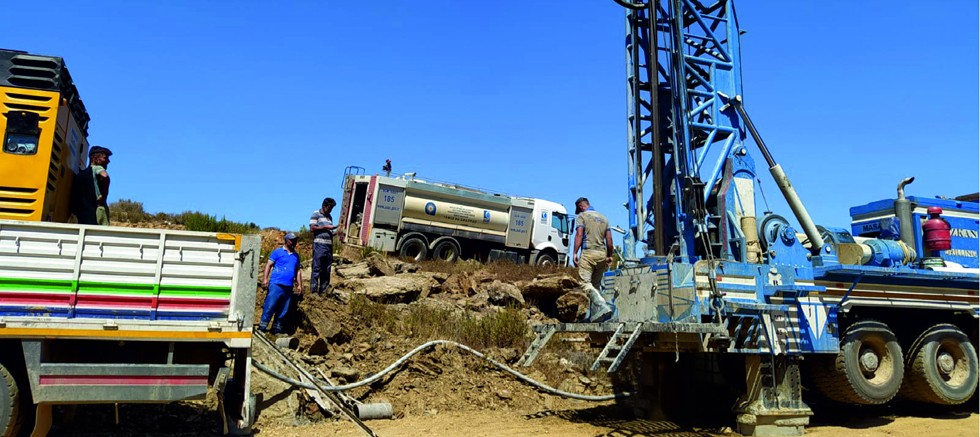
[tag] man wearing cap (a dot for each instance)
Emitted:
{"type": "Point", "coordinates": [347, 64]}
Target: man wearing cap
{"type": "Point", "coordinates": [594, 239]}
{"type": "Point", "coordinates": [281, 273]}
{"type": "Point", "coordinates": [90, 190]}
{"type": "Point", "coordinates": [321, 224]}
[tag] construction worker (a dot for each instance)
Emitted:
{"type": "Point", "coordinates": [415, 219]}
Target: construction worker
{"type": "Point", "coordinates": [90, 189]}
{"type": "Point", "coordinates": [594, 239]}
{"type": "Point", "coordinates": [387, 167]}
{"type": "Point", "coordinates": [321, 224]}
{"type": "Point", "coordinates": [282, 272]}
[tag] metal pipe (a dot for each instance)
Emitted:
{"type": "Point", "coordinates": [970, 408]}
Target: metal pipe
{"type": "Point", "coordinates": [380, 410]}
{"type": "Point", "coordinates": [782, 181]}
{"type": "Point", "coordinates": [903, 212]}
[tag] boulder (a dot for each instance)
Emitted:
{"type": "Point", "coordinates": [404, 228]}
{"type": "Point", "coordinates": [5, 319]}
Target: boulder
{"type": "Point", "coordinates": [378, 265]}
{"type": "Point", "coordinates": [403, 267]}
{"type": "Point", "coordinates": [466, 283]}
{"type": "Point", "coordinates": [549, 287]}
{"type": "Point", "coordinates": [573, 306]}
{"type": "Point", "coordinates": [502, 294]}
{"type": "Point", "coordinates": [404, 288]}
{"type": "Point", "coordinates": [355, 271]}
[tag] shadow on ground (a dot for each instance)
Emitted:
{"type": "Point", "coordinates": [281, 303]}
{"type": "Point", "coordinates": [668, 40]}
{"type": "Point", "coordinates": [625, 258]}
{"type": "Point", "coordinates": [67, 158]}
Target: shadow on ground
{"type": "Point", "coordinates": [143, 420]}
{"type": "Point", "coordinates": [864, 417]}
{"type": "Point", "coordinates": [622, 424]}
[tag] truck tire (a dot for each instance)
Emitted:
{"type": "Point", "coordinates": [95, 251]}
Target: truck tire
{"type": "Point", "coordinates": [413, 247]}
{"type": "Point", "coordinates": [868, 370]}
{"type": "Point", "coordinates": [546, 259]}
{"type": "Point", "coordinates": [10, 411]}
{"type": "Point", "coordinates": [446, 250]}
{"type": "Point", "coordinates": [942, 367]}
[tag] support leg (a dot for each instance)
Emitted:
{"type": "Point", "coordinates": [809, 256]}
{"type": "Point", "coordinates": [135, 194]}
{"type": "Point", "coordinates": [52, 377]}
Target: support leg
{"type": "Point", "coordinates": [773, 404]}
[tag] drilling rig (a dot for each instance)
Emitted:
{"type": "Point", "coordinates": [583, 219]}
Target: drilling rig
{"type": "Point", "coordinates": [886, 309]}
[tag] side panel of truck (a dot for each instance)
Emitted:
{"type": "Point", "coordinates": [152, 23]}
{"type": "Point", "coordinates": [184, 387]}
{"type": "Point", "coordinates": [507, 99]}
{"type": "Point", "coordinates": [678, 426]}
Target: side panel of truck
{"type": "Point", "coordinates": [110, 314]}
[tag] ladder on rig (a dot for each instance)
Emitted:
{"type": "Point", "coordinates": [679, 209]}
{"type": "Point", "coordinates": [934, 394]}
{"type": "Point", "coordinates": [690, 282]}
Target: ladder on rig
{"type": "Point", "coordinates": [620, 342]}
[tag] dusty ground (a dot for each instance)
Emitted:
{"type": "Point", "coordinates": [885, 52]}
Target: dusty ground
{"type": "Point", "coordinates": [445, 392]}
{"type": "Point", "coordinates": [597, 422]}
{"type": "Point", "coordinates": [583, 420]}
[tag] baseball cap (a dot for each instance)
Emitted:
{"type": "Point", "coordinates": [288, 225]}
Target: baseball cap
{"type": "Point", "coordinates": [289, 237]}
{"type": "Point", "coordinates": [99, 149]}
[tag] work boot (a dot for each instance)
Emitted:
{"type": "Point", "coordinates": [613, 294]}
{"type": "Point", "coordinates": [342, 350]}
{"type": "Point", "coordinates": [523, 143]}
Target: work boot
{"type": "Point", "coordinates": [598, 308]}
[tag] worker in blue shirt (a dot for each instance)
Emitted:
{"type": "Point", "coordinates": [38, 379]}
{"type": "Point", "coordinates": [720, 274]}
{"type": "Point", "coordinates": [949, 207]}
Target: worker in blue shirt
{"type": "Point", "coordinates": [284, 280]}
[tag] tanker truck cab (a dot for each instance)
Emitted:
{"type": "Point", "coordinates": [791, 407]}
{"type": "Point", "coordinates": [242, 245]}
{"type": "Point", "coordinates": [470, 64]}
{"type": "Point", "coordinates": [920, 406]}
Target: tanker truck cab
{"type": "Point", "coordinates": [550, 236]}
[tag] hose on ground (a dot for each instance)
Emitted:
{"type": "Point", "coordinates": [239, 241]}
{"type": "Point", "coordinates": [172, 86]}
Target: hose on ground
{"type": "Point", "coordinates": [425, 346]}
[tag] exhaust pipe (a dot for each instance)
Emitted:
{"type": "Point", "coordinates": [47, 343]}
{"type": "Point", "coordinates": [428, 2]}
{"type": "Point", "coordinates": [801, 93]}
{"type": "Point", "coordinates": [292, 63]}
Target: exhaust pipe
{"type": "Point", "coordinates": [903, 212]}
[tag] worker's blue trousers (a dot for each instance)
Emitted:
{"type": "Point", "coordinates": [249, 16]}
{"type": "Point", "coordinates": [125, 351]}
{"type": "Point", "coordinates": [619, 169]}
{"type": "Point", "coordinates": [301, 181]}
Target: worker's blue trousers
{"type": "Point", "coordinates": [277, 303]}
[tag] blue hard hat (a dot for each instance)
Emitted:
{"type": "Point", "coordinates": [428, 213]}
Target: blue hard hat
{"type": "Point", "coordinates": [290, 237]}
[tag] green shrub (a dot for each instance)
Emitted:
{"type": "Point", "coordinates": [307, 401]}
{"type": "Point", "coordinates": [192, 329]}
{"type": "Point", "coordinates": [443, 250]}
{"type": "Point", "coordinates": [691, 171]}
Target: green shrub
{"type": "Point", "coordinates": [129, 211]}
{"type": "Point", "coordinates": [199, 221]}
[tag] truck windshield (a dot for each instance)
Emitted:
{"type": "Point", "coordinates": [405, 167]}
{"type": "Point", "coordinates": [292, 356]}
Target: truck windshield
{"type": "Point", "coordinates": [559, 221]}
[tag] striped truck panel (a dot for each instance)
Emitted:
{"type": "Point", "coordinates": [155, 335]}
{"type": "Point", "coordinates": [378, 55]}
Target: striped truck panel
{"type": "Point", "coordinates": [116, 273]}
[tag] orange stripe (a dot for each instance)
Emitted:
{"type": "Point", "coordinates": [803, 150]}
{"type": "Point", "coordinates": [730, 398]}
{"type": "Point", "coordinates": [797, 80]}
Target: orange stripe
{"type": "Point", "coordinates": [76, 333]}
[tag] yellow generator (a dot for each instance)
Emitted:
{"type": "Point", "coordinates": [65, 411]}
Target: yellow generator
{"type": "Point", "coordinates": [45, 137]}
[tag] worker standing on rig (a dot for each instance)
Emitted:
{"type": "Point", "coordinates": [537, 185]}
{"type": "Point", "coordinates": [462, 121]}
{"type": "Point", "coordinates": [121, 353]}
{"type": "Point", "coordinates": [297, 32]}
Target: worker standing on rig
{"type": "Point", "coordinates": [90, 189]}
{"type": "Point", "coordinates": [594, 239]}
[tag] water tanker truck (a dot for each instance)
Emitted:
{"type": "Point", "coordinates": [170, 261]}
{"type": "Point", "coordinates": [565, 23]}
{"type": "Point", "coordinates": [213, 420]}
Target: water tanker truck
{"type": "Point", "coordinates": [419, 219]}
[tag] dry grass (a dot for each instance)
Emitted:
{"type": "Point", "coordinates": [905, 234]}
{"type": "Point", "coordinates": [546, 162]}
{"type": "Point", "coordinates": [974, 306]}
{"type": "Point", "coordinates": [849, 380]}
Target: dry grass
{"type": "Point", "coordinates": [503, 270]}
{"type": "Point", "coordinates": [506, 328]}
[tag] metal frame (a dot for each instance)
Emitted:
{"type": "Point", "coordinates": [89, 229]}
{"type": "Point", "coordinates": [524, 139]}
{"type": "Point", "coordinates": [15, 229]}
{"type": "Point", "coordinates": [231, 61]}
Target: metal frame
{"type": "Point", "coordinates": [686, 51]}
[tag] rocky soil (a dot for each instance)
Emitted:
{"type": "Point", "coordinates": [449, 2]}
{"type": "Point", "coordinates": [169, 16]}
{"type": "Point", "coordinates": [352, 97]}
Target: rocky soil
{"type": "Point", "coordinates": [376, 313]}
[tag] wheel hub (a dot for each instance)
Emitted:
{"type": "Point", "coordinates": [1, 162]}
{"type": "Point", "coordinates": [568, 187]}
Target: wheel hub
{"type": "Point", "coordinates": [868, 360]}
{"type": "Point", "coordinates": [945, 363]}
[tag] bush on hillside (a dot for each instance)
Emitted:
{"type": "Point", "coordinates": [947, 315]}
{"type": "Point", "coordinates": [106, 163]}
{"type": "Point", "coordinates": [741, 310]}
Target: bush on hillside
{"type": "Point", "coordinates": [130, 211]}
{"type": "Point", "coordinates": [199, 221]}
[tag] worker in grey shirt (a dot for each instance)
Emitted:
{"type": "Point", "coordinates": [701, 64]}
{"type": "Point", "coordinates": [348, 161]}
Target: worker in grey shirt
{"type": "Point", "coordinates": [323, 231]}
{"type": "Point", "coordinates": [593, 238]}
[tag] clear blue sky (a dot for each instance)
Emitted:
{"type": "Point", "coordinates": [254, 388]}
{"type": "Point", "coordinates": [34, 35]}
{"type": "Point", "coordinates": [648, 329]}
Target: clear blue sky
{"type": "Point", "coordinates": [252, 111]}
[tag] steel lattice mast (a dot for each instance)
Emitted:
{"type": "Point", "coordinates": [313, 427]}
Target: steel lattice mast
{"type": "Point", "coordinates": [683, 60]}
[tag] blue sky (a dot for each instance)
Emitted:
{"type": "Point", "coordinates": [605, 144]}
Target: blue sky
{"type": "Point", "coordinates": [252, 111]}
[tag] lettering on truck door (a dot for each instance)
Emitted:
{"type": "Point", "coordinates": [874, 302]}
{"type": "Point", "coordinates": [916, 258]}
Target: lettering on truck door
{"type": "Point", "coordinates": [519, 231]}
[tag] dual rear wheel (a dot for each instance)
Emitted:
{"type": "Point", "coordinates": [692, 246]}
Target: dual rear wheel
{"type": "Point", "coordinates": [417, 249]}
{"type": "Point", "coordinates": [870, 368]}
{"type": "Point", "coordinates": [942, 367]}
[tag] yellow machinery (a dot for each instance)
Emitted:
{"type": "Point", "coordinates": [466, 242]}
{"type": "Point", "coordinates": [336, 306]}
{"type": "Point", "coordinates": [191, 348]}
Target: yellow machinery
{"type": "Point", "coordinates": [45, 137]}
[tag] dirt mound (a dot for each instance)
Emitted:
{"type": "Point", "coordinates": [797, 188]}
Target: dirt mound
{"type": "Point", "coordinates": [380, 309]}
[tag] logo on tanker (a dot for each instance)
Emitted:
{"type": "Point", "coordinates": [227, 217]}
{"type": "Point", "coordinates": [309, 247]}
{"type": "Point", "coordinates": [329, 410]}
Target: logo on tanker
{"type": "Point", "coordinates": [430, 208]}
{"type": "Point", "coordinates": [486, 216]}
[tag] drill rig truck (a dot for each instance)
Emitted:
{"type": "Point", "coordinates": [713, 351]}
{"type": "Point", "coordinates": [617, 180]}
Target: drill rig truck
{"type": "Point", "coordinates": [104, 314]}
{"type": "Point", "coordinates": [723, 294]}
